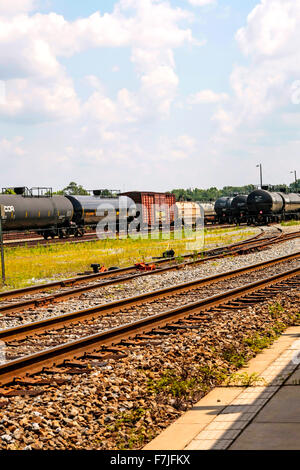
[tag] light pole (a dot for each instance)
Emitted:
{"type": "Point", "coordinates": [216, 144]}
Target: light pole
{"type": "Point", "coordinates": [295, 174]}
{"type": "Point", "coordinates": [260, 172]}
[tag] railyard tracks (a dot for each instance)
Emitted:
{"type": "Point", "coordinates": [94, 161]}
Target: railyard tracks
{"type": "Point", "coordinates": [131, 272]}
{"type": "Point", "coordinates": [102, 345]}
{"type": "Point", "coordinates": [58, 321]}
{"type": "Point", "coordinates": [32, 239]}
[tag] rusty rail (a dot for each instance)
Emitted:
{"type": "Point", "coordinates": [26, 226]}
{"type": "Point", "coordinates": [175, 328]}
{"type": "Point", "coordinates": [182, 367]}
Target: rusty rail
{"type": "Point", "coordinates": [34, 363]}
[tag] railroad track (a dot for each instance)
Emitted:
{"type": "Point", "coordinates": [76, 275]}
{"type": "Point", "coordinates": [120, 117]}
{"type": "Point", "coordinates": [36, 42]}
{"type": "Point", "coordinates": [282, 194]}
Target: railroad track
{"type": "Point", "coordinates": [56, 322]}
{"type": "Point", "coordinates": [131, 272]}
{"type": "Point", "coordinates": [126, 274]}
{"type": "Point", "coordinates": [98, 346]}
{"type": "Point", "coordinates": [33, 239]}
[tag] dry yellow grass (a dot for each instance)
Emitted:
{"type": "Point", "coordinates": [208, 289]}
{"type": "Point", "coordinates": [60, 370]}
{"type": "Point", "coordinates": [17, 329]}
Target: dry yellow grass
{"type": "Point", "coordinates": [26, 266]}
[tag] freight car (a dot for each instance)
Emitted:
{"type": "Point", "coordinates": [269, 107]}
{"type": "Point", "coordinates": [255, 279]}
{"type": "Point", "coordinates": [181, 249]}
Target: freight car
{"type": "Point", "coordinates": [153, 210]}
{"type": "Point", "coordinates": [194, 213]}
{"type": "Point", "coordinates": [223, 209]}
{"type": "Point", "coordinates": [210, 215]}
{"type": "Point", "coordinates": [239, 209]}
{"type": "Point", "coordinates": [111, 213]}
{"type": "Point", "coordinates": [232, 210]}
{"type": "Point", "coordinates": [266, 206]}
{"type": "Point", "coordinates": [188, 214]}
{"type": "Point", "coordinates": [38, 210]}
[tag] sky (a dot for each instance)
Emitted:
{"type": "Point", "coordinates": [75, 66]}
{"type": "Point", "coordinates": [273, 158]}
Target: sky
{"type": "Point", "coordinates": [149, 94]}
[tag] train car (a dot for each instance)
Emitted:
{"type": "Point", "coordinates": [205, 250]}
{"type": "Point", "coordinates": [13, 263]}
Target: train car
{"type": "Point", "coordinates": [223, 209]}
{"type": "Point", "coordinates": [153, 209]}
{"type": "Point", "coordinates": [239, 209]}
{"type": "Point", "coordinates": [291, 204]}
{"type": "Point", "coordinates": [47, 214]}
{"type": "Point", "coordinates": [188, 213]}
{"type": "Point", "coordinates": [92, 209]}
{"type": "Point", "coordinates": [210, 215]}
{"type": "Point", "coordinates": [266, 206]}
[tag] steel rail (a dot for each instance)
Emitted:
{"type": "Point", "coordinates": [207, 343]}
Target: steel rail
{"type": "Point", "coordinates": [120, 271]}
{"type": "Point", "coordinates": [56, 322]}
{"type": "Point", "coordinates": [60, 296]}
{"type": "Point", "coordinates": [44, 301]}
{"type": "Point", "coordinates": [37, 362]}
{"type": "Point", "coordinates": [229, 250]}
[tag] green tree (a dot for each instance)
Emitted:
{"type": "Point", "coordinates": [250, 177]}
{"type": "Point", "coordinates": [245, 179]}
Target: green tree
{"type": "Point", "coordinates": [73, 189]}
{"type": "Point", "coordinates": [8, 191]}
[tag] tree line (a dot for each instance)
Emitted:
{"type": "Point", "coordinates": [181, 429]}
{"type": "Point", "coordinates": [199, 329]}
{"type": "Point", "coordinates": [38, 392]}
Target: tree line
{"type": "Point", "coordinates": [212, 194]}
{"type": "Point", "coordinates": [196, 194]}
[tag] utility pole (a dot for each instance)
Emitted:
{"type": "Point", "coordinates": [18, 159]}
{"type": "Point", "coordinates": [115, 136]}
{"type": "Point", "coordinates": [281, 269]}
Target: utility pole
{"type": "Point", "coordinates": [2, 215]}
{"type": "Point", "coordinates": [260, 172]}
{"type": "Point", "coordinates": [295, 174]}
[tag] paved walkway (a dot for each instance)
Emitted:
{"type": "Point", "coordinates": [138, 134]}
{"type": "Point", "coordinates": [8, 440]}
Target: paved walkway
{"type": "Point", "coordinates": [264, 416]}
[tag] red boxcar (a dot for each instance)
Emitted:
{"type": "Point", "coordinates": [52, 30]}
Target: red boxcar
{"type": "Point", "coordinates": [157, 208]}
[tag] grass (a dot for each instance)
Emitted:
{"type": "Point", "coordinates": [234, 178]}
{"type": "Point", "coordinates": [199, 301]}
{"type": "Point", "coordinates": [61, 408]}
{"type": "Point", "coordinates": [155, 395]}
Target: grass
{"type": "Point", "coordinates": [290, 222]}
{"type": "Point", "coordinates": [26, 266]}
{"type": "Point", "coordinates": [181, 385]}
{"type": "Point", "coordinates": [246, 380]}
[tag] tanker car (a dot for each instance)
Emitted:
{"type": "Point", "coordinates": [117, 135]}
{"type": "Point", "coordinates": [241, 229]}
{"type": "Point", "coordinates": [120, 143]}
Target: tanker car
{"type": "Point", "coordinates": [266, 206]}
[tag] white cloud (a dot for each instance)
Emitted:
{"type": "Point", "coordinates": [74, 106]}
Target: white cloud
{"type": "Point", "coordinates": [30, 48]}
{"type": "Point", "coordinates": [201, 3]}
{"type": "Point", "coordinates": [207, 96]}
{"type": "Point", "coordinates": [270, 40]}
{"type": "Point", "coordinates": [32, 101]}
{"type": "Point", "coordinates": [272, 29]}
{"type": "Point", "coordinates": [180, 148]}
{"type": "Point", "coordinates": [12, 148]}
{"type": "Point", "coordinates": [13, 7]}
{"type": "Point", "coordinates": [186, 142]}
